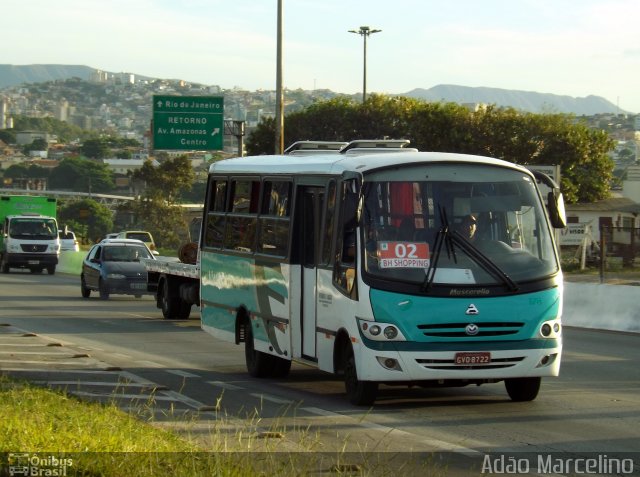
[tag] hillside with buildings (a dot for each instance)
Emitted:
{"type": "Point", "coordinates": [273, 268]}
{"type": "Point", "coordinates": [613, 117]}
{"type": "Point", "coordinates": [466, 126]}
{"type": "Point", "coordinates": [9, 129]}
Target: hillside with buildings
{"type": "Point", "coordinates": [120, 105]}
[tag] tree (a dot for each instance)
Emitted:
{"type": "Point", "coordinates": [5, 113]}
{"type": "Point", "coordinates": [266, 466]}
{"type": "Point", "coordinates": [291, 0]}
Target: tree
{"type": "Point", "coordinates": [7, 137]}
{"type": "Point", "coordinates": [156, 209]}
{"type": "Point", "coordinates": [64, 131]}
{"type": "Point", "coordinates": [196, 194]}
{"type": "Point", "coordinates": [16, 171]}
{"type": "Point", "coordinates": [97, 148]}
{"type": "Point", "coordinates": [523, 138]}
{"type": "Point", "coordinates": [166, 181]}
{"type": "Point", "coordinates": [38, 144]}
{"type": "Point", "coordinates": [95, 219]}
{"type": "Point", "coordinates": [550, 139]}
{"type": "Point", "coordinates": [262, 139]}
{"type": "Point", "coordinates": [81, 175]}
{"type": "Point", "coordinates": [22, 171]}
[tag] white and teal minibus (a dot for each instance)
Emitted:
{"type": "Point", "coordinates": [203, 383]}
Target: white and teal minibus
{"type": "Point", "coordinates": [363, 265]}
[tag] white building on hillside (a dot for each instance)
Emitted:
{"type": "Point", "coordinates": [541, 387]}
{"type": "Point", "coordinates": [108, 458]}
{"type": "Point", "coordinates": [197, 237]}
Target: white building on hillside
{"type": "Point", "coordinates": [122, 166]}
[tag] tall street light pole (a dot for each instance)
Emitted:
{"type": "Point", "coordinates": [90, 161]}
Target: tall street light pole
{"type": "Point", "coordinates": [364, 32]}
{"type": "Point", "coordinates": [279, 88]}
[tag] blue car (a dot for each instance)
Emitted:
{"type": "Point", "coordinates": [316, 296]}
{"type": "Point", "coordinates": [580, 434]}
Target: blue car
{"type": "Point", "coordinates": [113, 267]}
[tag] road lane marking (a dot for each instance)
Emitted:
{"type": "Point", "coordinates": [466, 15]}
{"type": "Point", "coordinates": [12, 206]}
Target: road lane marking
{"type": "Point", "coordinates": [26, 345]}
{"type": "Point", "coordinates": [186, 400]}
{"type": "Point", "coordinates": [134, 378]}
{"type": "Point", "coordinates": [181, 373]}
{"type": "Point", "coordinates": [116, 384]}
{"type": "Point", "coordinates": [39, 353]}
{"type": "Point", "coordinates": [274, 399]}
{"type": "Point", "coordinates": [150, 364]}
{"type": "Point", "coordinates": [61, 371]}
{"type": "Point", "coordinates": [52, 362]}
{"type": "Point", "coordinates": [148, 397]}
{"type": "Point", "coordinates": [227, 386]}
{"type": "Point", "coordinates": [575, 356]}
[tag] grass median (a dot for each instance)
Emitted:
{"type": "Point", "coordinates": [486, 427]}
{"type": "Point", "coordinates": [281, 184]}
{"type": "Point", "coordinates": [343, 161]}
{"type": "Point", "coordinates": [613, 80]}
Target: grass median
{"type": "Point", "coordinates": [49, 432]}
{"type": "Point", "coordinates": [63, 435]}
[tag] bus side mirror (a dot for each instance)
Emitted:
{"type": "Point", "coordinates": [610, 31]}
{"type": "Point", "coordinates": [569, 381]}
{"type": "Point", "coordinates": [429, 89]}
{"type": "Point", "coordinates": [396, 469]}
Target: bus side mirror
{"type": "Point", "coordinates": [555, 206]}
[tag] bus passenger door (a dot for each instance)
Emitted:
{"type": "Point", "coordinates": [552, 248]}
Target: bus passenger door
{"type": "Point", "coordinates": [309, 213]}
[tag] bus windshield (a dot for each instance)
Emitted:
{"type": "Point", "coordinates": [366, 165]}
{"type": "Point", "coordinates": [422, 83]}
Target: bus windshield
{"type": "Point", "coordinates": [455, 224]}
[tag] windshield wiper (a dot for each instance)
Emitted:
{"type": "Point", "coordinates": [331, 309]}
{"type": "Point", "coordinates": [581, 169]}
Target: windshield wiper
{"type": "Point", "coordinates": [482, 260]}
{"type": "Point", "coordinates": [450, 239]}
{"type": "Point", "coordinates": [443, 238]}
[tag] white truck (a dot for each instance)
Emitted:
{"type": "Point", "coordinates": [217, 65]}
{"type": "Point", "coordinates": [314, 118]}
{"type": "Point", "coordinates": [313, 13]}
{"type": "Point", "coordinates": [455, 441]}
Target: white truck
{"type": "Point", "coordinates": [29, 236]}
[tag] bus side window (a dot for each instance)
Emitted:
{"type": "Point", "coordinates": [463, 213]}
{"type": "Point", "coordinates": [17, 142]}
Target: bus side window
{"type": "Point", "coordinates": [215, 222]}
{"type": "Point", "coordinates": [345, 267]}
{"type": "Point", "coordinates": [329, 223]}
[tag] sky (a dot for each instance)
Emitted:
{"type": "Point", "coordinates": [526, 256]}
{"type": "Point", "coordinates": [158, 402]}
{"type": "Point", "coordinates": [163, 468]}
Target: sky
{"type": "Point", "coordinates": [566, 47]}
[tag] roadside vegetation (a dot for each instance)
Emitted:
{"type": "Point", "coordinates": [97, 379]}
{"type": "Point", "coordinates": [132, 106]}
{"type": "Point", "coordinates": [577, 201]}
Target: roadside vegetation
{"type": "Point", "coordinates": [38, 420]}
{"type": "Point", "coordinates": [504, 133]}
{"type": "Point", "coordinates": [102, 440]}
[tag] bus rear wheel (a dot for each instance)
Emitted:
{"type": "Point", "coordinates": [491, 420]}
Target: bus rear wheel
{"type": "Point", "coordinates": [360, 393]}
{"type": "Point", "coordinates": [258, 363]}
{"type": "Point", "coordinates": [522, 389]}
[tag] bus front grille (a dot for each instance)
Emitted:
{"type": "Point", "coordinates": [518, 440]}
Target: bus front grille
{"type": "Point", "coordinates": [477, 330]}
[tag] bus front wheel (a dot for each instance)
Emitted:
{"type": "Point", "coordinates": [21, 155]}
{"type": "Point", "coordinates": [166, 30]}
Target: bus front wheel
{"type": "Point", "coordinates": [522, 389]}
{"type": "Point", "coordinates": [360, 393]}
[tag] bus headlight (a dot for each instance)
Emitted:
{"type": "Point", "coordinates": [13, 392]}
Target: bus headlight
{"type": "Point", "coordinates": [377, 331]}
{"type": "Point", "coordinates": [550, 329]}
{"type": "Point", "coordinates": [391, 332]}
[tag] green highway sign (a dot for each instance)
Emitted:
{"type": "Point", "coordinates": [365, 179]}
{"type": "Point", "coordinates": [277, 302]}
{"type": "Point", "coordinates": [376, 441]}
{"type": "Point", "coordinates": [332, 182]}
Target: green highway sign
{"type": "Point", "coordinates": [188, 122]}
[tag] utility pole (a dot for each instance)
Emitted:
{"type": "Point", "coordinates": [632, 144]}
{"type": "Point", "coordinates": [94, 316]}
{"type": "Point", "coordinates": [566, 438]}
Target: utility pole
{"type": "Point", "coordinates": [279, 92]}
{"type": "Point", "coordinates": [364, 32]}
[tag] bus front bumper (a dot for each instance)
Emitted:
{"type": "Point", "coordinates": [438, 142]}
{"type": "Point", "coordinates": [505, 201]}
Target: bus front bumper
{"type": "Point", "coordinates": [459, 364]}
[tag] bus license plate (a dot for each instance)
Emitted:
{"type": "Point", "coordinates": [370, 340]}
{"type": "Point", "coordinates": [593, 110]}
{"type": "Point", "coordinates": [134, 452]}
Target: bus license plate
{"type": "Point", "coordinates": [472, 358]}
